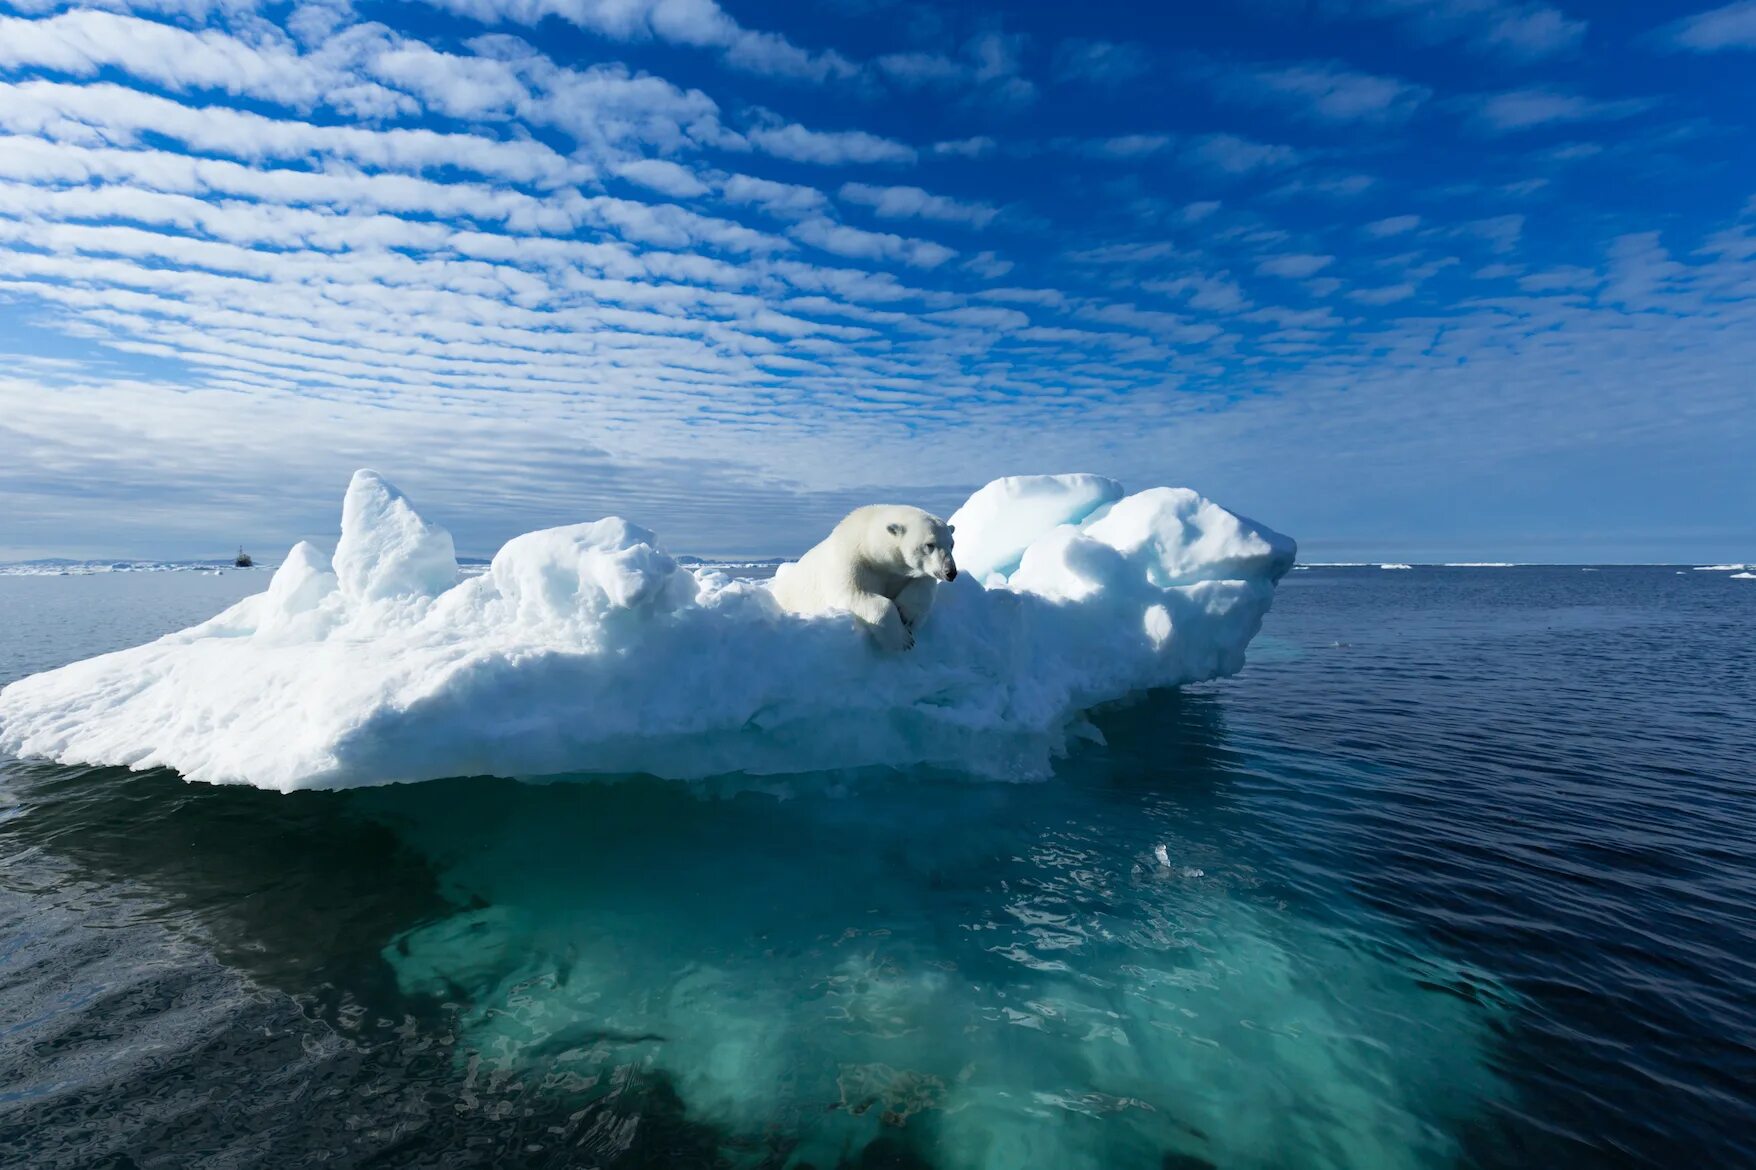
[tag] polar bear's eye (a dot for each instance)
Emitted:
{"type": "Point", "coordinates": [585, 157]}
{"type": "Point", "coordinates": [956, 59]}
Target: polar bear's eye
{"type": "Point", "coordinates": [931, 546]}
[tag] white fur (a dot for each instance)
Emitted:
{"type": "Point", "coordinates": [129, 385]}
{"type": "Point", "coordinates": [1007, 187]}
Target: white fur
{"type": "Point", "coordinates": [881, 564]}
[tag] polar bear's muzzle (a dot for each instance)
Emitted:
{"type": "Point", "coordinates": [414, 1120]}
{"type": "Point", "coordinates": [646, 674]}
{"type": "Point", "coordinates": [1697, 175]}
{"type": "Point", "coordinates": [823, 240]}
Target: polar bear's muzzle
{"type": "Point", "coordinates": [950, 573]}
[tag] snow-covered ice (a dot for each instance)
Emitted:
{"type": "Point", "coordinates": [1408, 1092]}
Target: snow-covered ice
{"type": "Point", "coordinates": [589, 649]}
{"type": "Point", "coordinates": [996, 525]}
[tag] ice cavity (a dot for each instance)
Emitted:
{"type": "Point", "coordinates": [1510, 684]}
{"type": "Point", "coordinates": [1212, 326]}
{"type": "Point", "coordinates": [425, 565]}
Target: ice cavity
{"type": "Point", "coordinates": [588, 649]}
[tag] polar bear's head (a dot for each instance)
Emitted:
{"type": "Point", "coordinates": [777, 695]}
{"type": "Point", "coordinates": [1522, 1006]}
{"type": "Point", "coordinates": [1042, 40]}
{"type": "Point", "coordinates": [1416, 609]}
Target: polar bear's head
{"type": "Point", "coordinates": [920, 542]}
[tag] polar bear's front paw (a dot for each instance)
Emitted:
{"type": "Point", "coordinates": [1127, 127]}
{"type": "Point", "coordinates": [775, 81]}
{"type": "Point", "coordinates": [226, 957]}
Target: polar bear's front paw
{"type": "Point", "coordinates": [892, 633]}
{"type": "Point", "coordinates": [895, 636]}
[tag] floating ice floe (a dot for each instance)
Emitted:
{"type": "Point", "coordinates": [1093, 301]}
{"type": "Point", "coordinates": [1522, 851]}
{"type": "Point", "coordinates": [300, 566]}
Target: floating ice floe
{"type": "Point", "coordinates": [1397, 565]}
{"type": "Point", "coordinates": [1744, 576]}
{"type": "Point", "coordinates": [588, 649]}
{"type": "Point", "coordinates": [1734, 569]}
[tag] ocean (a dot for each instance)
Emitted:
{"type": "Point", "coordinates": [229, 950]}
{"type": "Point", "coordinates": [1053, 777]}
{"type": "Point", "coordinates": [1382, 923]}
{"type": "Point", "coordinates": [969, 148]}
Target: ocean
{"type": "Point", "coordinates": [1459, 872]}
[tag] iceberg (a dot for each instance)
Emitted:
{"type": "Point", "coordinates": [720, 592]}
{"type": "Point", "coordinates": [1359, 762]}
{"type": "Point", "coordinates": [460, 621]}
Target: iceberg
{"type": "Point", "coordinates": [587, 649]}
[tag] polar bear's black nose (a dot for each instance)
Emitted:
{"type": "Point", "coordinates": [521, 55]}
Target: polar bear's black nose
{"type": "Point", "coordinates": [951, 573]}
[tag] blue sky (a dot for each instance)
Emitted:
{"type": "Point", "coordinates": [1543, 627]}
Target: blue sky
{"type": "Point", "coordinates": [1412, 279]}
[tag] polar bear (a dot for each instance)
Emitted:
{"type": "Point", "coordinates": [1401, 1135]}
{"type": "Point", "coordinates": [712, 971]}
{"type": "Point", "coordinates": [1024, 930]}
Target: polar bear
{"type": "Point", "coordinates": [881, 564]}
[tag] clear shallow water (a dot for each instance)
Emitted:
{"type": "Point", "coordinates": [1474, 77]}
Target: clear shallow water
{"type": "Point", "coordinates": [1459, 872]}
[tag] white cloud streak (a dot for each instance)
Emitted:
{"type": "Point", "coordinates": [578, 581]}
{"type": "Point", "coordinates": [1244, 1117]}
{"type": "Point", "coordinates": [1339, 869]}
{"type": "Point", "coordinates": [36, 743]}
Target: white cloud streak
{"type": "Point", "coordinates": [699, 24]}
{"type": "Point", "coordinates": [914, 203]}
{"type": "Point", "coordinates": [1527, 109]}
{"type": "Point", "coordinates": [1730, 27]}
{"type": "Point", "coordinates": [1516, 31]}
{"type": "Point", "coordinates": [828, 147]}
{"type": "Point", "coordinates": [1323, 91]}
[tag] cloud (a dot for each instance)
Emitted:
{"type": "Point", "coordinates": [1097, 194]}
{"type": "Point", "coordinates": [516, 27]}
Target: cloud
{"type": "Point", "coordinates": [1322, 91]}
{"type": "Point", "coordinates": [920, 70]}
{"type": "Point", "coordinates": [667, 178]}
{"type": "Point", "coordinates": [821, 232]}
{"type": "Point", "coordinates": [1516, 31]}
{"type": "Point", "coordinates": [1385, 295]}
{"type": "Point", "coordinates": [369, 73]}
{"type": "Point", "coordinates": [1230, 154]}
{"type": "Point", "coordinates": [1047, 297]}
{"type": "Point", "coordinates": [1527, 109]}
{"type": "Point", "coordinates": [982, 317]}
{"type": "Point", "coordinates": [1214, 292]}
{"type": "Point", "coordinates": [1566, 278]}
{"type": "Point", "coordinates": [1394, 225]}
{"type": "Point", "coordinates": [828, 147]}
{"type": "Point", "coordinates": [1099, 62]}
{"type": "Point", "coordinates": [788, 200]}
{"type": "Point", "coordinates": [1325, 186]}
{"type": "Point", "coordinates": [1128, 253]}
{"type": "Point", "coordinates": [44, 162]}
{"type": "Point", "coordinates": [1730, 27]}
{"type": "Point", "coordinates": [697, 23]}
{"type": "Point", "coordinates": [987, 265]}
{"type": "Point", "coordinates": [996, 62]}
{"type": "Point", "coordinates": [966, 147]}
{"type": "Point", "coordinates": [1530, 32]}
{"type": "Point", "coordinates": [1127, 146]}
{"type": "Point", "coordinates": [987, 71]}
{"type": "Point", "coordinates": [610, 109]}
{"type": "Point", "coordinates": [1294, 265]}
{"type": "Point", "coordinates": [1500, 232]}
{"type": "Point", "coordinates": [82, 43]}
{"type": "Point", "coordinates": [914, 203]}
{"type": "Point", "coordinates": [459, 87]}
{"type": "Point", "coordinates": [105, 112]}
{"type": "Point", "coordinates": [194, 10]}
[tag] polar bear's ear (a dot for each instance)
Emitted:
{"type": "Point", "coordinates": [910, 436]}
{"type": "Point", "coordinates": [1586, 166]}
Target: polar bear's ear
{"type": "Point", "coordinates": [896, 530]}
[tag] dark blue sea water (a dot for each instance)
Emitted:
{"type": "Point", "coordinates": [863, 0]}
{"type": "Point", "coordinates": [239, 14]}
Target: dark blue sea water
{"type": "Point", "coordinates": [1459, 872]}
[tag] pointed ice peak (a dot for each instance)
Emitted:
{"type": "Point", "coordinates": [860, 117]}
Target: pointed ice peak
{"type": "Point", "coordinates": [386, 549]}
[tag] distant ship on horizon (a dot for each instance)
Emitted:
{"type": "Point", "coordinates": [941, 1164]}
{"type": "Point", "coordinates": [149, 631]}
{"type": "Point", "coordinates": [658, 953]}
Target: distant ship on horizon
{"type": "Point", "coordinates": [243, 560]}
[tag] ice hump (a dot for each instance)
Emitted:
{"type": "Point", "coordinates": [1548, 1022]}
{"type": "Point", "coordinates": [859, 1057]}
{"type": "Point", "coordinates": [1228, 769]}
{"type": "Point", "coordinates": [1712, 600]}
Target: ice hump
{"type": "Point", "coordinates": [587, 649]}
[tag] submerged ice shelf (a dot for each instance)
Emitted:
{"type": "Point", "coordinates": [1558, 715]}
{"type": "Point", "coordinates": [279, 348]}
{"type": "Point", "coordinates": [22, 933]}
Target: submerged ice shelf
{"type": "Point", "coordinates": [588, 649]}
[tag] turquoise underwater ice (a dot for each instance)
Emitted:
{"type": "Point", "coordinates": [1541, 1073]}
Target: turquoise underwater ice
{"type": "Point", "coordinates": [991, 976]}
